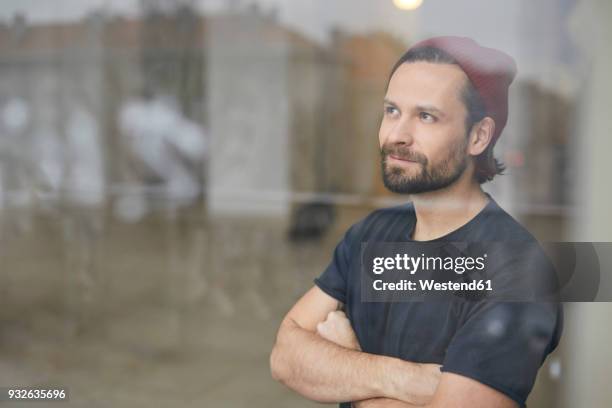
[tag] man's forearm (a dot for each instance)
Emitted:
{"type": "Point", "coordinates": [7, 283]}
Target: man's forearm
{"type": "Point", "coordinates": [323, 371]}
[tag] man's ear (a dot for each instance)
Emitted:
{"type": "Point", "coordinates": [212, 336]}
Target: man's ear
{"type": "Point", "coordinates": [481, 135]}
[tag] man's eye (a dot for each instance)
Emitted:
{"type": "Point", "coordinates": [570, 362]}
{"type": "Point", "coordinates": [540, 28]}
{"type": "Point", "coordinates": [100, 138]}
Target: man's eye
{"type": "Point", "coordinates": [427, 117]}
{"type": "Point", "coordinates": [390, 110]}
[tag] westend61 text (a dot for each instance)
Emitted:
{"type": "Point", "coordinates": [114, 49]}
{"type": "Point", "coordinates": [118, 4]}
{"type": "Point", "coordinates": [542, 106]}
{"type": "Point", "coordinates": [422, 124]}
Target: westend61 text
{"type": "Point", "coordinates": [429, 285]}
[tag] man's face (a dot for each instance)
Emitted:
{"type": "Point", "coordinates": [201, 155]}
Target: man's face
{"type": "Point", "coordinates": [422, 136]}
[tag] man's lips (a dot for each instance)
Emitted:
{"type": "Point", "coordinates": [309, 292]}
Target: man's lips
{"type": "Point", "coordinates": [398, 158]}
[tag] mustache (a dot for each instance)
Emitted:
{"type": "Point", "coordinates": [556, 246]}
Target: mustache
{"type": "Point", "coordinates": [403, 153]}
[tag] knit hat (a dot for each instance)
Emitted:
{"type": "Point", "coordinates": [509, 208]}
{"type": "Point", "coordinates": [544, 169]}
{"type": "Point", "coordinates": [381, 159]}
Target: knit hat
{"type": "Point", "coordinates": [490, 71]}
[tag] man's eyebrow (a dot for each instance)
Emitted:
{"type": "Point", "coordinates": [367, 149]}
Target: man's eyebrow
{"type": "Point", "coordinates": [429, 108]}
{"type": "Point", "coordinates": [418, 108]}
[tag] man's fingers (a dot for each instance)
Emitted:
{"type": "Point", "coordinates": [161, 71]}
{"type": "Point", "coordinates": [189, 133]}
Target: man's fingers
{"type": "Point", "coordinates": [336, 322]}
{"type": "Point", "coordinates": [336, 315]}
{"type": "Point", "coordinates": [323, 330]}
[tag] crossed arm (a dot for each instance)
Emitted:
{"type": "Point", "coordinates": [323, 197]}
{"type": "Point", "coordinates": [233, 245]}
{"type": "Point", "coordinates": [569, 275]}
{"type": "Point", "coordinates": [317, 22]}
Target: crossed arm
{"type": "Point", "coordinates": [317, 355]}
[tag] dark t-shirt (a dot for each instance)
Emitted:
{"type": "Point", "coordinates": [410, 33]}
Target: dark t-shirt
{"type": "Point", "coordinates": [500, 344]}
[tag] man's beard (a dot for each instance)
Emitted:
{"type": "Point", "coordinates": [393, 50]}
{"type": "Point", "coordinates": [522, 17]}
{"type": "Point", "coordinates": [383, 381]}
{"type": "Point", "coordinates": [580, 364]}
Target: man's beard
{"type": "Point", "coordinates": [427, 179]}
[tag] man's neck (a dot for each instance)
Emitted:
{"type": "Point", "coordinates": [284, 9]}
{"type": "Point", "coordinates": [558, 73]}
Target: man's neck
{"type": "Point", "coordinates": [440, 212]}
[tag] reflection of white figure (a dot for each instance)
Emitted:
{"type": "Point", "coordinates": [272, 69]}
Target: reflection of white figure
{"type": "Point", "coordinates": [66, 166]}
{"type": "Point", "coordinates": [167, 150]}
{"type": "Point", "coordinates": [82, 180]}
{"type": "Point", "coordinates": [169, 145]}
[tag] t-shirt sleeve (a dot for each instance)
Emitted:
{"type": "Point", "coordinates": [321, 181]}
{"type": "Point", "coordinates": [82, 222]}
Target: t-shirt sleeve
{"type": "Point", "coordinates": [503, 344]}
{"type": "Point", "coordinates": [334, 278]}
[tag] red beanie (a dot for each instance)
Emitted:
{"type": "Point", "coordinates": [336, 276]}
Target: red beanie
{"type": "Point", "coordinates": [490, 71]}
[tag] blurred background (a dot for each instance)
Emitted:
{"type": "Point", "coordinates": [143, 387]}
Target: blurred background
{"type": "Point", "coordinates": [173, 175]}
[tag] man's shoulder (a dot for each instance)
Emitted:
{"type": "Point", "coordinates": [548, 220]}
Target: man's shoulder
{"type": "Point", "coordinates": [499, 225]}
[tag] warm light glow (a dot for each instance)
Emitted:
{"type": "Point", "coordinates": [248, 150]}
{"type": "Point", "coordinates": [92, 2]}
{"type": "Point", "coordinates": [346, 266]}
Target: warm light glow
{"type": "Point", "coordinates": [407, 4]}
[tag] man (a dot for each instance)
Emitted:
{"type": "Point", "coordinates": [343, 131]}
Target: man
{"type": "Point", "coordinates": [445, 107]}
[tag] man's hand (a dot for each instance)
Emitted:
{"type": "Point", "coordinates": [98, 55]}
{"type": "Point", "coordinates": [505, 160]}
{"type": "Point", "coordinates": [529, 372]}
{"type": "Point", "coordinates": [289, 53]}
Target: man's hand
{"type": "Point", "coordinates": [337, 329]}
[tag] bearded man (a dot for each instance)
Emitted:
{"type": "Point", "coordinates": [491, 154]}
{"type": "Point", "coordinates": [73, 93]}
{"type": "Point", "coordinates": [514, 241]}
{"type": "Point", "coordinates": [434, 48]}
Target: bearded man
{"type": "Point", "coordinates": [445, 107]}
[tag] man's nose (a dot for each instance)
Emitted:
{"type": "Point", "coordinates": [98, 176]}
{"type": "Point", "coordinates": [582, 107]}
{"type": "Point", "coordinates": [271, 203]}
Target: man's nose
{"type": "Point", "coordinates": [402, 132]}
